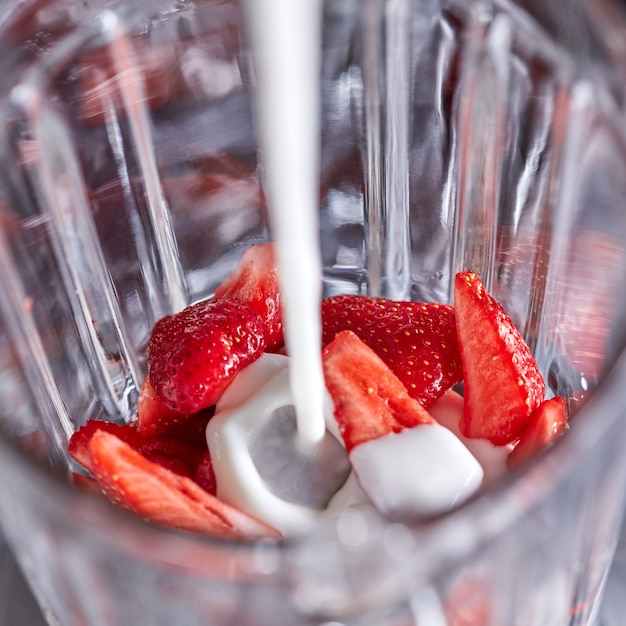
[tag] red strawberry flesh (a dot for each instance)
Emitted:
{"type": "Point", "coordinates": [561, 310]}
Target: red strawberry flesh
{"type": "Point", "coordinates": [255, 283]}
{"type": "Point", "coordinates": [370, 401]}
{"type": "Point", "coordinates": [502, 383]}
{"type": "Point", "coordinates": [195, 354]}
{"type": "Point", "coordinates": [155, 418]}
{"type": "Point", "coordinates": [384, 363]}
{"type": "Point", "coordinates": [547, 423]}
{"type": "Point", "coordinates": [205, 475]}
{"type": "Point", "coordinates": [181, 455]}
{"type": "Point", "coordinates": [78, 447]}
{"type": "Point", "coordinates": [162, 496]}
{"type": "Point", "coordinates": [153, 415]}
{"type": "Point", "coordinates": [417, 341]}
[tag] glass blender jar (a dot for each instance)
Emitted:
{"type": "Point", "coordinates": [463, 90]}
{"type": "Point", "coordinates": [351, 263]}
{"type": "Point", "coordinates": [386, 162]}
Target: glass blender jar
{"type": "Point", "coordinates": [482, 135]}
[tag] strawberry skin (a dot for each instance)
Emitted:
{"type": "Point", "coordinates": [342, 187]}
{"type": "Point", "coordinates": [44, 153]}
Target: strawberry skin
{"type": "Point", "coordinates": [502, 382]}
{"type": "Point", "coordinates": [195, 354]}
{"type": "Point", "coordinates": [163, 497]}
{"type": "Point", "coordinates": [255, 283]}
{"type": "Point", "coordinates": [370, 401]}
{"type": "Point", "coordinates": [417, 341]}
{"type": "Point", "coordinates": [547, 423]}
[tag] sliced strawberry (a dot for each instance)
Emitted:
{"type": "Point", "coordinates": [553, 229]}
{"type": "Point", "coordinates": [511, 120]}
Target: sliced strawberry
{"type": "Point", "coordinates": [255, 283]}
{"type": "Point", "coordinates": [193, 429]}
{"type": "Point", "coordinates": [195, 354]}
{"type": "Point", "coordinates": [547, 423]}
{"type": "Point", "coordinates": [205, 475]}
{"type": "Point", "coordinates": [78, 447]}
{"type": "Point", "coordinates": [502, 382]}
{"type": "Point", "coordinates": [417, 341]}
{"type": "Point", "coordinates": [370, 401]}
{"type": "Point", "coordinates": [174, 454]}
{"type": "Point", "coordinates": [153, 415]}
{"type": "Point", "coordinates": [163, 497]}
{"type": "Point", "coordinates": [170, 451]}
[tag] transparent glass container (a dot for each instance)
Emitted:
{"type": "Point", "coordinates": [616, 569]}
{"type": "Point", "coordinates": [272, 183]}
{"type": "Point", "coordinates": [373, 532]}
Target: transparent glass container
{"type": "Point", "coordinates": [455, 134]}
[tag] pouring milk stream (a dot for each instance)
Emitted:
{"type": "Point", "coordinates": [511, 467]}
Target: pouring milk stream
{"type": "Point", "coordinates": [286, 39]}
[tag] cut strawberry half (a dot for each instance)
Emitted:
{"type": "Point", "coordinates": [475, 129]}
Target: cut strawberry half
{"type": "Point", "coordinates": [153, 415]}
{"type": "Point", "coordinates": [255, 283]}
{"type": "Point", "coordinates": [391, 439]}
{"type": "Point", "coordinates": [78, 446]}
{"type": "Point", "coordinates": [370, 401]}
{"type": "Point", "coordinates": [502, 382]}
{"type": "Point", "coordinates": [164, 497]}
{"type": "Point", "coordinates": [193, 429]}
{"type": "Point", "coordinates": [417, 341]}
{"type": "Point", "coordinates": [205, 475]}
{"type": "Point", "coordinates": [195, 354]}
{"type": "Point", "coordinates": [547, 423]}
{"type": "Point", "coordinates": [155, 418]}
{"type": "Point", "coordinates": [176, 454]}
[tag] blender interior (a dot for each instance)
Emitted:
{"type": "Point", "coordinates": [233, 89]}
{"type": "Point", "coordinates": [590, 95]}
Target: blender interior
{"type": "Point", "coordinates": [132, 184]}
{"type": "Point", "coordinates": [455, 135]}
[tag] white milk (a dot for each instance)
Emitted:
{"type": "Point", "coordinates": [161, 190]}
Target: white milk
{"type": "Point", "coordinates": [420, 471]}
{"type": "Point", "coordinates": [448, 410]}
{"type": "Point", "coordinates": [286, 41]}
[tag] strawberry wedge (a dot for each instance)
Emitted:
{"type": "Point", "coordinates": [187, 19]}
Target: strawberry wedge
{"type": "Point", "coordinates": [162, 496]}
{"type": "Point", "coordinates": [370, 401]}
{"type": "Point", "coordinates": [195, 354]}
{"type": "Point", "coordinates": [547, 423]}
{"type": "Point", "coordinates": [156, 419]}
{"type": "Point", "coordinates": [153, 415]}
{"type": "Point", "coordinates": [417, 341]}
{"type": "Point", "coordinates": [78, 447]}
{"type": "Point", "coordinates": [503, 385]}
{"type": "Point", "coordinates": [176, 451]}
{"type": "Point", "coordinates": [255, 283]}
{"type": "Point", "coordinates": [407, 464]}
